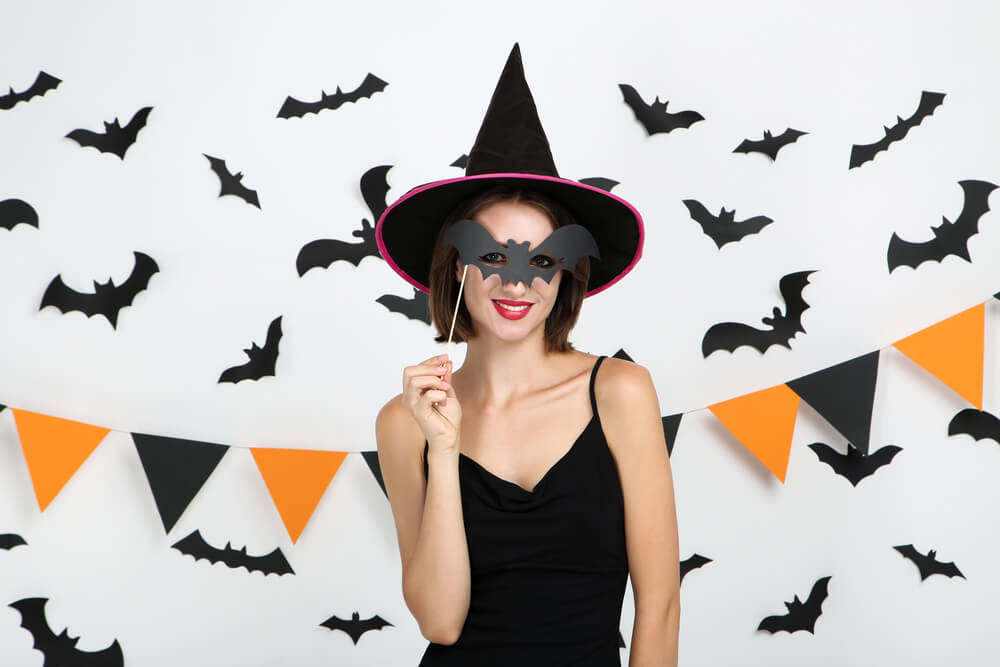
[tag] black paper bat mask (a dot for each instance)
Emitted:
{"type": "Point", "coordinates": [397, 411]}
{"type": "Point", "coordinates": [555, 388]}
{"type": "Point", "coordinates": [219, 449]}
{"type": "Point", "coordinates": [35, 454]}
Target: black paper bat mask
{"type": "Point", "coordinates": [515, 262]}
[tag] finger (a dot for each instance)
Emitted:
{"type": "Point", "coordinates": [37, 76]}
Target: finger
{"type": "Point", "coordinates": [422, 382]}
{"type": "Point", "coordinates": [433, 396]}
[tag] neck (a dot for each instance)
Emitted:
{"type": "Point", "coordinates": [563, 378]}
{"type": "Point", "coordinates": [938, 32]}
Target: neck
{"type": "Point", "coordinates": [496, 373]}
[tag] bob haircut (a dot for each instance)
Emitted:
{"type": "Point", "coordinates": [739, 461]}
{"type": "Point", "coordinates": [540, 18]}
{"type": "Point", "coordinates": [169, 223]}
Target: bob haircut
{"type": "Point", "coordinates": [444, 287]}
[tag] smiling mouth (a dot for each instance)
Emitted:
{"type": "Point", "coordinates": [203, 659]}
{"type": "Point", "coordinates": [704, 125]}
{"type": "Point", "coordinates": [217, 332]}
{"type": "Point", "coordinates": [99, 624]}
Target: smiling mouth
{"type": "Point", "coordinates": [512, 310]}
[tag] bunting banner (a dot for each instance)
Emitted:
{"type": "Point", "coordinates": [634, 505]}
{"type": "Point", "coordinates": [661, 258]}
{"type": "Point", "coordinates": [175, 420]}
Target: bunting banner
{"type": "Point", "coordinates": [371, 458]}
{"type": "Point", "coordinates": [764, 422]}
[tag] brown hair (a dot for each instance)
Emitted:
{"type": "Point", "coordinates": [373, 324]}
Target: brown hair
{"type": "Point", "coordinates": [444, 286]}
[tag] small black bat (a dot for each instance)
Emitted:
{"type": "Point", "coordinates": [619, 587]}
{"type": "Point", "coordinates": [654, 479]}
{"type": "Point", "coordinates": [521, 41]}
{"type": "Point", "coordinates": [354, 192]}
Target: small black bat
{"type": "Point", "coordinates": [60, 649]}
{"type": "Point", "coordinates": [107, 299]}
{"type": "Point", "coordinates": [293, 108]}
{"type": "Point", "coordinates": [462, 161]}
{"type": "Point", "coordinates": [801, 615]}
{"type": "Point", "coordinates": [115, 138]}
{"type": "Point", "coordinates": [10, 540]}
{"type": "Point", "coordinates": [977, 423]}
{"type": "Point", "coordinates": [769, 145]}
{"type": "Point", "coordinates": [324, 252]}
{"type": "Point", "coordinates": [262, 359]}
{"type": "Point", "coordinates": [950, 238]}
{"type": "Point", "coordinates": [195, 545]}
{"type": "Point", "coordinates": [232, 184]}
{"type": "Point", "coordinates": [928, 564]}
{"type": "Point", "coordinates": [854, 466]}
{"type": "Point", "coordinates": [723, 228]}
{"type": "Point", "coordinates": [355, 627]}
{"type": "Point", "coordinates": [415, 308]}
{"type": "Point", "coordinates": [861, 153]}
{"type": "Point", "coordinates": [17, 212]}
{"type": "Point", "coordinates": [44, 82]}
{"type": "Point", "coordinates": [692, 563]}
{"type": "Point", "coordinates": [655, 117]}
{"type": "Point", "coordinates": [600, 182]}
{"type": "Point", "coordinates": [783, 327]}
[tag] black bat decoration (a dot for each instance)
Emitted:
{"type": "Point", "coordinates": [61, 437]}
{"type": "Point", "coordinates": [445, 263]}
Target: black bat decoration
{"type": "Point", "coordinates": [723, 228]}
{"type": "Point", "coordinates": [415, 307]}
{"type": "Point", "coordinates": [783, 326]}
{"type": "Point", "coordinates": [107, 299]}
{"type": "Point", "coordinates": [44, 82]}
{"type": "Point", "coordinates": [355, 627]}
{"type": "Point", "coordinates": [262, 359]}
{"type": "Point", "coordinates": [655, 117]}
{"type": "Point", "coordinates": [854, 466]}
{"type": "Point", "coordinates": [979, 424]}
{"type": "Point", "coordinates": [324, 252]}
{"type": "Point", "coordinates": [17, 212]}
{"type": "Point", "coordinates": [293, 108]}
{"type": "Point", "coordinates": [769, 145]}
{"type": "Point", "coordinates": [230, 183]}
{"type": "Point", "coordinates": [60, 650]}
{"type": "Point", "coordinates": [861, 153]}
{"type": "Point", "coordinates": [195, 545]}
{"type": "Point", "coordinates": [115, 138]}
{"type": "Point", "coordinates": [950, 238]}
{"type": "Point", "coordinates": [692, 563]}
{"type": "Point", "coordinates": [606, 184]}
{"type": "Point", "coordinates": [10, 540]}
{"type": "Point", "coordinates": [462, 161]}
{"type": "Point", "coordinates": [928, 564]}
{"type": "Point", "coordinates": [801, 615]}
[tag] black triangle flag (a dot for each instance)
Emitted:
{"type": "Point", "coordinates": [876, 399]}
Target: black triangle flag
{"type": "Point", "coordinates": [371, 458]}
{"type": "Point", "coordinates": [670, 425]}
{"type": "Point", "coordinates": [2, 406]}
{"type": "Point", "coordinates": [176, 470]}
{"type": "Point", "coordinates": [843, 395]}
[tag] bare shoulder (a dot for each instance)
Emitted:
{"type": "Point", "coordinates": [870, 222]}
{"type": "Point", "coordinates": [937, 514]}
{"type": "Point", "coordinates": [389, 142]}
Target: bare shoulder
{"type": "Point", "coordinates": [396, 432]}
{"type": "Point", "coordinates": [620, 383]}
{"type": "Point", "coordinates": [627, 403]}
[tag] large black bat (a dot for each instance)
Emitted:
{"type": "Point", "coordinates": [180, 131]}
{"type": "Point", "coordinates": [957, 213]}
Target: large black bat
{"type": "Point", "coordinates": [195, 545]}
{"type": "Point", "coordinates": [10, 540]}
{"type": "Point", "coordinates": [60, 650]}
{"type": "Point", "coordinates": [107, 299]}
{"type": "Point", "coordinates": [415, 307]}
{"type": "Point", "coordinates": [769, 145]}
{"type": "Point", "coordinates": [693, 562]}
{"type": "Point", "coordinates": [17, 212]}
{"type": "Point", "coordinates": [854, 466]}
{"type": "Point", "coordinates": [801, 615]}
{"type": "Point", "coordinates": [44, 82]}
{"type": "Point", "coordinates": [293, 108]}
{"type": "Point", "coordinates": [861, 153]}
{"type": "Point", "coordinates": [655, 117]}
{"type": "Point", "coordinates": [928, 564]}
{"type": "Point", "coordinates": [355, 627]}
{"type": "Point", "coordinates": [723, 228]}
{"type": "Point", "coordinates": [950, 238]}
{"type": "Point", "coordinates": [115, 138]}
{"type": "Point", "coordinates": [262, 359]}
{"type": "Point", "coordinates": [783, 326]}
{"type": "Point", "coordinates": [232, 184]}
{"type": "Point", "coordinates": [324, 252]}
{"type": "Point", "coordinates": [977, 423]}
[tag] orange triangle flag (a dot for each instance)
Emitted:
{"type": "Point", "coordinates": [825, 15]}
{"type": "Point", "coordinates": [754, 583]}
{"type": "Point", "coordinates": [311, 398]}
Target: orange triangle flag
{"type": "Point", "coordinates": [952, 351]}
{"type": "Point", "coordinates": [54, 449]}
{"type": "Point", "coordinates": [297, 479]}
{"type": "Point", "coordinates": [764, 422]}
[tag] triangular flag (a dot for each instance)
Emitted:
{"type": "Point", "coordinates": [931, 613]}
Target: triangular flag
{"type": "Point", "coordinates": [371, 458]}
{"type": "Point", "coordinates": [670, 425]}
{"type": "Point", "coordinates": [176, 470]}
{"type": "Point", "coordinates": [844, 396]}
{"type": "Point", "coordinates": [764, 422]}
{"type": "Point", "coordinates": [297, 479]}
{"type": "Point", "coordinates": [952, 351]}
{"type": "Point", "coordinates": [54, 449]}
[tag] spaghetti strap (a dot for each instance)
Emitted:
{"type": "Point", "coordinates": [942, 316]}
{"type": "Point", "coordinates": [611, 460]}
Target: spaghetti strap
{"type": "Point", "coordinates": [593, 377]}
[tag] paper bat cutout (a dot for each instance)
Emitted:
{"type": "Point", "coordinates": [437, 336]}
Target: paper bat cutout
{"type": "Point", "coordinates": [195, 545]}
{"type": "Point", "coordinates": [854, 466]}
{"type": "Point", "coordinates": [783, 326]}
{"type": "Point", "coordinates": [115, 138]}
{"type": "Point", "coordinates": [599, 182]}
{"type": "Point", "coordinates": [801, 615]}
{"type": "Point", "coordinates": [324, 252]}
{"type": "Point", "coordinates": [950, 238]}
{"type": "Point", "coordinates": [232, 184]}
{"type": "Point", "coordinates": [415, 307]}
{"type": "Point", "coordinates": [462, 161]}
{"type": "Point", "coordinates": [928, 564]}
{"type": "Point", "coordinates": [60, 650]}
{"type": "Point", "coordinates": [770, 144]}
{"type": "Point", "coordinates": [293, 108]}
{"type": "Point", "coordinates": [693, 562]}
{"type": "Point", "coordinates": [17, 212]}
{"type": "Point", "coordinates": [979, 424]}
{"type": "Point", "coordinates": [861, 153]}
{"type": "Point", "coordinates": [44, 82]}
{"type": "Point", "coordinates": [10, 540]}
{"type": "Point", "coordinates": [262, 359]}
{"type": "Point", "coordinates": [655, 117]}
{"type": "Point", "coordinates": [355, 627]}
{"type": "Point", "coordinates": [107, 299]}
{"type": "Point", "coordinates": [723, 228]}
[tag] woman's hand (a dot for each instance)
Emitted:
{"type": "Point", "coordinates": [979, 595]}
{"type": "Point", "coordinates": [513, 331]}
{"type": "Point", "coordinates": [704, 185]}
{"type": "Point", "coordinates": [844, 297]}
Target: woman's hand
{"type": "Point", "coordinates": [430, 398]}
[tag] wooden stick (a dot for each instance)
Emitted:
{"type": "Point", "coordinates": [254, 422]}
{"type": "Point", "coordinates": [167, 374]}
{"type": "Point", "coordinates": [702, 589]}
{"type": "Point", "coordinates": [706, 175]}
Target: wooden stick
{"type": "Point", "coordinates": [454, 315]}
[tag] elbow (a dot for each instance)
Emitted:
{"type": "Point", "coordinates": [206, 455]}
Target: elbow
{"type": "Point", "coordinates": [446, 634]}
{"type": "Point", "coordinates": [436, 625]}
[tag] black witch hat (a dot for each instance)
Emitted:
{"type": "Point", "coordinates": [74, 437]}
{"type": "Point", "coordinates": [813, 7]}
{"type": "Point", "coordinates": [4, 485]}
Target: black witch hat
{"type": "Point", "coordinates": [511, 149]}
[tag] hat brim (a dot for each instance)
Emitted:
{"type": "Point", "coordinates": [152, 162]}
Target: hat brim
{"type": "Point", "coordinates": [406, 230]}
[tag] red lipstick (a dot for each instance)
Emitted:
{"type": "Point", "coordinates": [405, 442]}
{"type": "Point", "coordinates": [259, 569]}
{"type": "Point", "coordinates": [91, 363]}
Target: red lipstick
{"type": "Point", "coordinates": [522, 308]}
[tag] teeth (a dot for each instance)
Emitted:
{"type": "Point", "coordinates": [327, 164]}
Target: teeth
{"type": "Point", "coordinates": [514, 308]}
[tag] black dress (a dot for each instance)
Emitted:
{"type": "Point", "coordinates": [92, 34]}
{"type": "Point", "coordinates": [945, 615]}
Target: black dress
{"type": "Point", "coordinates": [549, 566]}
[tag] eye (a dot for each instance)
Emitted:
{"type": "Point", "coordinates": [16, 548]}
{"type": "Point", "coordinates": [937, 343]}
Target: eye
{"type": "Point", "coordinates": [543, 261]}
{"type": "Point", "coordinates": [493, 258]}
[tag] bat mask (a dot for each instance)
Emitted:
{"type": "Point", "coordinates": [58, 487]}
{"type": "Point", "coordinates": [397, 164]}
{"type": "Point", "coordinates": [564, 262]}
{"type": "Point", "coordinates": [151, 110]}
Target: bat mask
{"type": "Point", "coordinates": [516, 262]}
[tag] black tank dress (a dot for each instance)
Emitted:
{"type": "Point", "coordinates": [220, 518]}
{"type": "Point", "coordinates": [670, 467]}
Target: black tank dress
{"type": "Point", "coordinates": [549, 566]}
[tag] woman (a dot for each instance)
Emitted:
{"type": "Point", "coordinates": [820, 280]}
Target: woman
{"type": "Point", "coordinates": [527, 485]}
